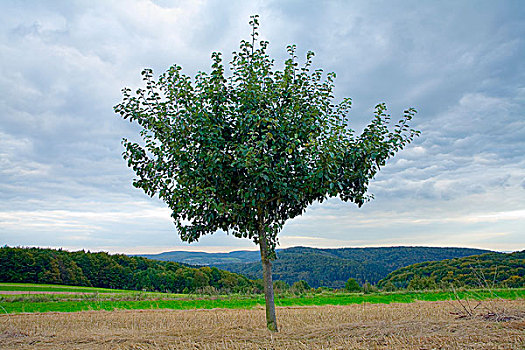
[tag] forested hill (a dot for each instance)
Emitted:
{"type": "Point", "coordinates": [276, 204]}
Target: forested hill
{"type": "Point", "coordinates": [37, 265]}
{"type": "Point", "coordinates": [491, 269]}
{"type": "Point", "coordinates": [325, 267]}
{"type": "Point", "coordinates": [203, 258]}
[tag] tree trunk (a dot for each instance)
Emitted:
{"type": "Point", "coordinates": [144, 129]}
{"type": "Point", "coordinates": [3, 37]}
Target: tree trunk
{"type": "Point", "coordinates": [271, 320]}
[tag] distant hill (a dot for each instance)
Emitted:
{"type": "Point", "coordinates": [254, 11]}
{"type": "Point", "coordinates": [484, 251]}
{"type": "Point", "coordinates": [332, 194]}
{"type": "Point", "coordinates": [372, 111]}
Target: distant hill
{"type": "Point", "coordinates": [322, 267]}
{"type": "Point", "coordinates": [492, 269]}
{"type": "Point", "coordinates": [202, 258]}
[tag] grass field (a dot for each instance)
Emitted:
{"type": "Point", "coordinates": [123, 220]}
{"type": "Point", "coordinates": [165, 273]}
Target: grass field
{"type": "Point", "coordinates": [418, 325]}
{"type": "Point", "coordinates": [29, 287]}
{"type": "Point", "coordinates": [85, 299]}
{"type": "Point", "coordinates": [43, 317]}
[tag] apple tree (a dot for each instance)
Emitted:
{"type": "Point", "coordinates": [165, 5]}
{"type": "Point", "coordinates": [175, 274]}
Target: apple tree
{"type": "Point", "coordinates": [246, 149]}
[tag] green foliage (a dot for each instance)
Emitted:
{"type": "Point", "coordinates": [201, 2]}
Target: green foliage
{"type": "Point", "coordinates": [352, 285]}
{"type": "Point", "coordinates": [480, 271]}
{"type": "Point", "coordinates": [331, 267]}
{"type": "Point", "coordinates": [369, 288]}
{"type": "Point", "coordinates": [389, 287]}
{"type": "Point", "coordinates": [280, 286]}
{"type": "Point", "coordinates": [422, 283]}
{"type": "Point", "coordinates": [36, 265]}
{"type": "Point", "coordinates": [246, 151]}
{"type": "Point", "coordinates": [300, 287]}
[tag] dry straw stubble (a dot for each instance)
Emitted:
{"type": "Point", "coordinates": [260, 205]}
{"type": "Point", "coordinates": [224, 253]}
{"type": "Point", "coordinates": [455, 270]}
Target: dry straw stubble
{"type": "Point", "coordinates": [420, 325]}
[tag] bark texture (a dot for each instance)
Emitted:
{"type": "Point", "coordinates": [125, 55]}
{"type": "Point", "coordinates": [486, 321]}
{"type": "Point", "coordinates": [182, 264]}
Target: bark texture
{"type": "Point", "coordinates": [271, 320]}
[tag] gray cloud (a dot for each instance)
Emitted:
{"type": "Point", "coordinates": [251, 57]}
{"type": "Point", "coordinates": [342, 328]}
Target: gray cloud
{"type": "Point", "coordinates": [64, 183]}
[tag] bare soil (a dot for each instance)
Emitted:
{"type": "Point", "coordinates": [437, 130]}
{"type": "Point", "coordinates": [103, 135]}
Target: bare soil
{"type": "Point", "coordinates": [420, 325]}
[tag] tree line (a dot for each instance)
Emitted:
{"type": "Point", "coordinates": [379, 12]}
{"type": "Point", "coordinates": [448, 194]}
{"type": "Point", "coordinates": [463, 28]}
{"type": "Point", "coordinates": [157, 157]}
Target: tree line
{"type": "Point", "coordinates": [50, 266]}
{"type": "Point", "coordinates": [479, 271]}
{"type": "Point", "coordinates": [81, 268]}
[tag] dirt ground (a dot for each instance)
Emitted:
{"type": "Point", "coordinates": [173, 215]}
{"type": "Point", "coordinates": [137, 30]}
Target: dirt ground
{"type": "Point", "coordinates": [421, 325]}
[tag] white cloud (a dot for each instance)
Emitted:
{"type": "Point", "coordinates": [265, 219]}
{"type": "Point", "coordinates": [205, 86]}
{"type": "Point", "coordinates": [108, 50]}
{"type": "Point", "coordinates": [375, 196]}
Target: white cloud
{"type": "Point", "coordinates": [64, 182]}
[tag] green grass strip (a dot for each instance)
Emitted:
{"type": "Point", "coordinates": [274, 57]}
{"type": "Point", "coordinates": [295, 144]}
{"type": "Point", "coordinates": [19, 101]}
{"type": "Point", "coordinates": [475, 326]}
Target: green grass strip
{"type": "Point", "coordinates": [72, 306]}
{"type": "Point", "coordinates": [403, 297]}
{"type": "Point", "coordinates": [235, 302]}
{"type": "Point", "coordinates": [56, 288]}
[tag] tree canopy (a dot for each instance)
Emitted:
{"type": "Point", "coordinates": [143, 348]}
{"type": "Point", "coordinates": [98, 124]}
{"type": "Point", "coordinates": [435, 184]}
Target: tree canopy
{"type": "Point", "coordinates": [254, 148]}
{"type": "Point", "coordinates": [352, 285]}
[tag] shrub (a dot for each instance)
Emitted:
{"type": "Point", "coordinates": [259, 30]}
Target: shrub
{"type": "Point", "coordinates": [389, 287]}
{"type": "Point", "coordinates": [300, 287]}
{"type": "Point", "coordinates": [352, 285]}
{"type": "Point", "coordinates": [368, 288]}
{"type": "Point", "coordinates": [422, 283]}
{"type": "Point", "coordinates": [280, 286]}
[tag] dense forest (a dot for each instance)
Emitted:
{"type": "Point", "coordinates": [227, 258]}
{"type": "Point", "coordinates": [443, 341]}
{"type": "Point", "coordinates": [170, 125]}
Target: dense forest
{"type": "Point", "coordinates": [332, 267]}
{"type": "Point", "coordinates": [486, 270]}
{"type": "Point", "coordinates": [406, 267]}
{"type": "Point", "coordinates": [37, 265]}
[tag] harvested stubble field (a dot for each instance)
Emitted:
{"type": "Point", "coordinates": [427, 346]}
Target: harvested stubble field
{"type": "Point", "coordinates": [419, 325]}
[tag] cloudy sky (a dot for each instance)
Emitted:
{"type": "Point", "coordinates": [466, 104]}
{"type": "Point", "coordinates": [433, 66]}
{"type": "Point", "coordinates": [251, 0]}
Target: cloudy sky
{"type": "Point", "coordinates": [63, 182]}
